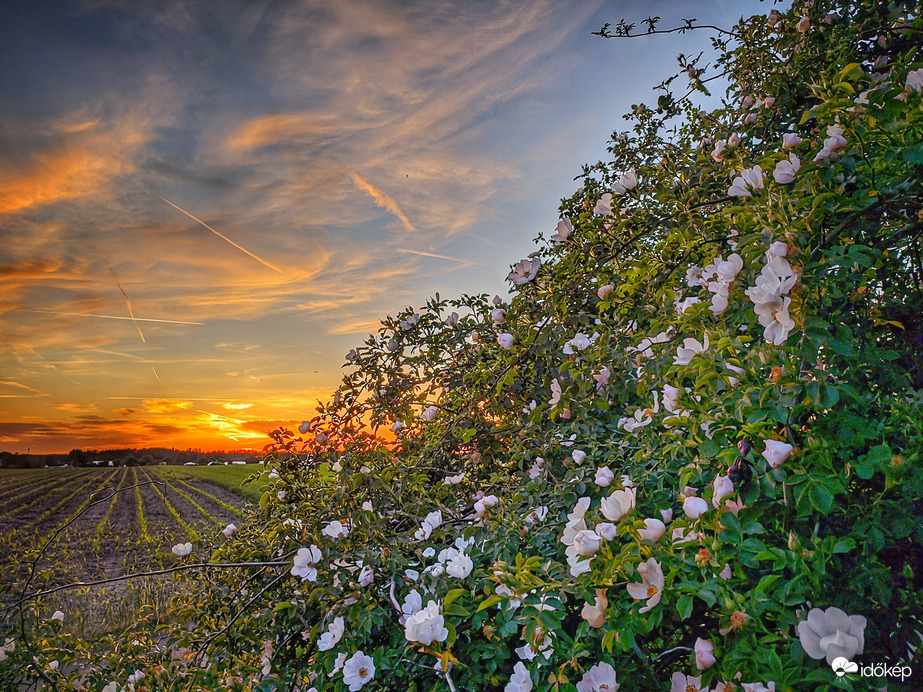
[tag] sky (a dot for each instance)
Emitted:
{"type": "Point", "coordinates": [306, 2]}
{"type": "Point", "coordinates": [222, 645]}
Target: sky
{"type": "Point", "coordinates": [205, 204]}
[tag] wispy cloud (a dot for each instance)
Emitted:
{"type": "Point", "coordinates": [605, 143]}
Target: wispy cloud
{"type": "Point", "coordinates": [224, 237]}
{"type": "Point", "coordinates": [115, 317]}
{"type": "Point", "coordinates": [381, 198]}
{"type": "Point", "coordinates": [463, 262]}
{"type": "Point", "coordinates": [131, 314]}
{"type": "Point", "coordinates": [8, 388]}
{"type": "Point", "coordinates": [350, 148]}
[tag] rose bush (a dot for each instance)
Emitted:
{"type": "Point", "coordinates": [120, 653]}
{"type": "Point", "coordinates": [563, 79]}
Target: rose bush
{"type": "Point", "coordinates": [736, 353]}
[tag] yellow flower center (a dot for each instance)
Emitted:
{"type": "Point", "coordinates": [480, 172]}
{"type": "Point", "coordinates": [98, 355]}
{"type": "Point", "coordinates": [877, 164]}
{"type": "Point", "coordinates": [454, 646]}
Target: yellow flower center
{"type": "Point", "coordinates": [651, 591]}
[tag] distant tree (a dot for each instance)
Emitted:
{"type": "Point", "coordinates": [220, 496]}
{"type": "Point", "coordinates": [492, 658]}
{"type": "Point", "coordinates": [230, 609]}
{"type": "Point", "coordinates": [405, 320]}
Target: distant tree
{"type": "Point", "coordinates": [77, 457]}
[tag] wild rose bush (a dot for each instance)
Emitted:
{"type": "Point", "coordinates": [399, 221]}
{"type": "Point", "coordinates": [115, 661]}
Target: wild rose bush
{"type": "Point", "coordinates": [685, 455]}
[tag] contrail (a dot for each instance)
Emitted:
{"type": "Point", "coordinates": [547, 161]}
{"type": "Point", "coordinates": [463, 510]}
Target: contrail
{"type": "Point", "coordinates": [381, 199]}
{"type": "Point", "coordinates": [157, 376]}
{"type": "Point", "coordinates": [442, 257]}
{"type": "Point", "coordinates": [128, 305]}
{"type": "Point", "coordinates": [223, 237]}
{"type": "Point", "coordinates": [113, 317]}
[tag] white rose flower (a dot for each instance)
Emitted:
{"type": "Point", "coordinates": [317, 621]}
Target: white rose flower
{"type": "Point", "coordinates": [587, 542]}
{"type": "Point", "coordinates": [366, 576]}
{"type": "Point", "coordinates": [182, 549]}
{"type": "Point", "coordinates": [604, 476]}
{"type": "Point", "coordinates": [651, 587]}
{"type": "Point", "coordinates": [332, 636]}
{"type": "Point", "coordinates": [599, 678]}
{"type": "Point", "coordinates": [694, 507]}
{"type": "Point", "coordinates": [653, 530]}
{"type": "Point", "coordinates": [358, 670]}
{"type": "Point", "coordinates": [426, 625]}
{"type": "Point", "coordinates": [606, 531]}
{"type": "Point", "coordinates": [776, 452]}
{"type": "Point", "coordinates": [432, 521]}
{"type": "Point", "coordinates": [524, 271]}
{"type": "Point", "coordinates": [459, 566]}
{"type": "Point", "coordinates": [304, 563]}
{"type": "Point", "coordinates": [786, 169]}
{"type": "Point", "coordinates": [832, 634]}
{"type": "Point", "coordinates": [413, 604]}
{"type": "Point", "coordinates": [563, 230]}
{"type": "Point", "coordinates": [618, 504]}
{"type": "Point", "coordinates": [336, 529]}
{"type": "Point", "coordinates": [520, 680]}
{"type": "Point", "coordinates": [627, 181]}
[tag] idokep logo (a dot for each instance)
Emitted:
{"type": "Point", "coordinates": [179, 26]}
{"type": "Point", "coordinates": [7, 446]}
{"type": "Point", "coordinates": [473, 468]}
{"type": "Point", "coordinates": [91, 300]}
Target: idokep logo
{"type": "Point", "coordinates": [841, 666]}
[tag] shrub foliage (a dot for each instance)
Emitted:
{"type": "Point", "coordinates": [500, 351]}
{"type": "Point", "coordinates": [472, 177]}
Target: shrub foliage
{"type": "Point", "coordinates": [693, 430]}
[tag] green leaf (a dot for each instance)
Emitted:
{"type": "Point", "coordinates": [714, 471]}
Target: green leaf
{"type": "Point", "coordinates": [708, 449]}
{"type": "Point", "coordinates": [913, 154]}
{"type": "Point", "coordinates": [457, 610]}
{"type": "Point", "coordinates": [487, 602]}
{"type": "Point", "coordinates": [767, 581]}
{"type": "Point", "coordinates": [875, 538]}
{"type": "Point", "coordinates": [851, 70]}
{"type": "Point", "coordinates": [451, 596]}
{"type": "Point", "coordinates": [731, 523]}
{"type": "Point", "coordinates": [820, 498]}
{"type": "Point", "coordinates": [843, 545]}
{"type": "Point", "coordinates": [684, 606]}
{"type": "Point", "coordinates": [880, 454]}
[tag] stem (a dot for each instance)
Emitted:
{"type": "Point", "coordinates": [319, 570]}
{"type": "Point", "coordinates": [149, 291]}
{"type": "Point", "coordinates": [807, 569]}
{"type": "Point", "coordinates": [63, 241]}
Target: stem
{"type": "Point", "coordinates": [135, 575]}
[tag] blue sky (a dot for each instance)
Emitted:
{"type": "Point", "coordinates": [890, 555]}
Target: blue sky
{"type": "Point", "coordinates": [257, 183]}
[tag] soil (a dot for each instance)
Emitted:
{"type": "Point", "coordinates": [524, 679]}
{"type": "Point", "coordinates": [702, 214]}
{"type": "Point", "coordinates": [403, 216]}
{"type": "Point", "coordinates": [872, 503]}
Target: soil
{"type": "Point", "coordinates": [84, 553]}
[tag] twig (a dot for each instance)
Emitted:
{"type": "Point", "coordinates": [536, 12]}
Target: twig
{"type": "Point", "coordinates": [394, 602]}
{"type": "Point", "coordinates": [169, 570]}
{"type": "Point", "coordinates": [240, 612]}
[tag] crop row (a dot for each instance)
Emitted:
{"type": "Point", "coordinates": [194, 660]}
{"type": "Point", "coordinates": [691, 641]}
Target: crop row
{"type": "Point", "coordinates": [129, 531]}
{"type": "Point", "coordinates": [101, 524]}
{"type": "Point", "coordinates": [20, 500]}
{"type": "Point", "coordinates": [55, 509]}
{"type": "Point", "coordinates": [190, 531]}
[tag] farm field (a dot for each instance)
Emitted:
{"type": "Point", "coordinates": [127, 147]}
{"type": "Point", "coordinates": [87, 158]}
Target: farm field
{"type": "Point", "coordinates": [71, 526]}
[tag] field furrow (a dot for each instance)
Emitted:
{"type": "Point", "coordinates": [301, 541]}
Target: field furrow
{"type": "Point", "coordinates": [36, 511]}
{"type": "Point", "coordinates": [211, 497]}
{"type": "Point", "coordinates": [116, 498]}
{"type": "Point", "coordinates": [177, 518]}
{"type": "Point", "coordinates": [99, 536]}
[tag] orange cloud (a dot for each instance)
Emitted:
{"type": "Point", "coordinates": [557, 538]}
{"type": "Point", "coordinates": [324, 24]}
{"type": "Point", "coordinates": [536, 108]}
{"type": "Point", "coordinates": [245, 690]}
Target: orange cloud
{"type": "Point", "coordinates": [77, 408]}
{"type": "Point", "coordinates": [165, 405]}
{"type": "Point", "coordinates": [50, 178]}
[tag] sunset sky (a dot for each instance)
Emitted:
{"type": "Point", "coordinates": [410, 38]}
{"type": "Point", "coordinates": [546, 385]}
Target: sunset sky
{"type": "Point", "coordinates": [205, 205]}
